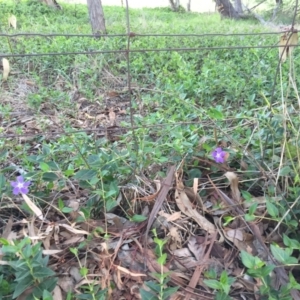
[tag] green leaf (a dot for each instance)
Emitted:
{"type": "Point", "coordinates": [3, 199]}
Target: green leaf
{"type": "Point", "coordinates": [291, 243]}
{"type": "Point", "coordinates": [215, 114]}
{"type": "Point", "coordinates": [266, 270]}
{"type": "Point", "coordinates": [27, 251]}
{"type": "Point", "coordinates": [285, 171]}
{"type": "Point", "coordinates": [84, 296]}
{"type": "Point", "coordinates": [212, 283]}
{"type": "Point", "coordinates": [224, 277]}
{"type": "Point", "coordinates": [44, 167]}
{"type": "Point", "coordinates": [111, 192]}
{"type": "Point", "coordinates": [110, 204]}
{"type": "Point", "coordinates": [3, 154]}
{"type": "Point", "coordinates": [5, 287]}
{"type": "Point", "coordinates": [169, 291]}
{"type": "Point", "coordinates": [60, 204]}
{"type": "Point", "coordinates": [94, 161]}
{"type": "Point", "coordinates": [84, 271]}
{"type": "Point", "coordinates": [252, 208]}
{"type": "Point", "coordinates": [153, 286]}
{"type": "Point", "coordinates": [21, 286]}
{"type": "Point", "coordinates": [293, 283]}
{"type": "Point", "coordinates": [272, 209]}
{"type": "Point", "coordinates": [85, 174]}
{"type": "Point", "coordinates": [222, 296]}
{"type": "Point", "coordinates": [210, 273]}
{"type": "Point", "coordinates": [69, 172]}
{"type": "Point", "coordinates": [147, 295]}
{"type": "Point", "coordinates": [48, 284]}
{"type": "Point", "coordinates": [49, 177]}
{"type": "Point", "coordinates": [3, 241]}
{"type": "Point", "coordinates": [249, 218]}
{"type": "Point", "coordinates": [228, 219]}
{"type": "Point", "coordinates": [138, 218]}
{"type": "Point", "coordinates": [194, 173]}
{"type": "Point", "coordinates": [231, 280]}
{"type": "Point", "coordinates": [42, 272]}
{"type": "Point", "coordinates": [53, 166]}
{"type": "Point", "coordinates": [67, 210]}
{"type": "Point", "coordinates": [159, 241]}
{"type": "Point", "coordinates": [226, 288]}
{"type": "Point", "coordinates": [283, 255]}
{"type": "Point", "coordinates": [2, 181]}
{"type": "Point", "coordinates": [19, 264]}
{"type": "Point", "coordinates": [248, 260]}
{"type": "Point", "coordinates": [247, 196]}
{"type": "Point", "coordinates": [74, 251]}
{"type": "Point", "coordinates": [23, 274]}
{"type": "Point", "coordinates": [162, 259]}
{"type": "Point", "coordinates": [47, 295]}
{"type": "Point", "coordinates": [10, 249]}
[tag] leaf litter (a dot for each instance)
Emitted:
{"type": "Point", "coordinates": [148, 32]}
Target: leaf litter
{"type": "Point", "coordinates": [118, 251]}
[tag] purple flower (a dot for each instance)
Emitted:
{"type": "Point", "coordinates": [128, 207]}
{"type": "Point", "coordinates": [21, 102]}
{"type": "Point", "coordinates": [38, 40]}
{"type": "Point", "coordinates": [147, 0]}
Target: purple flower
{"type": "Point", "coordinates": [20, 186]}
{"type": "Point", "coordinates": [219, 155]}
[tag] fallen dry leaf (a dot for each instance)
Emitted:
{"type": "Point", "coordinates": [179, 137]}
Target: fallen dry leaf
{"type": "Point", "coordinates": [171, 218]}
{"type": "Point", "coordinates": [175, 242]}
{"type": "Point", "coordinates": [112, 117]}
{"type": "Point", "coordinates": [285, 45]}
{"type": "Point", "coordinates": [234, 185]}
{"type": "Point", "coordinates": [6, 68]}
{"type": "Point", "coordinates": [74, 230]}
{"type": "Point", "coordinates": [51, 252]}
{"type": "Point", "coordinates": [12, 21]}
{"type": "Point", "coordinates": [160, 199]}
{"type": "Point", "coordinates": [33, 207]}
{"type": "Point", "coordinates": [8, 227]}
{"type": "Point", "coordinates": [185, 205]}
{"type": "Point", "coordinates": [196, 248]}
{"type": "Point", "coordinates": [124, 270]}
{"type": "Point", "coordinates": [57, 294]}
{"type": "Point", "coordinates": [66, 283]}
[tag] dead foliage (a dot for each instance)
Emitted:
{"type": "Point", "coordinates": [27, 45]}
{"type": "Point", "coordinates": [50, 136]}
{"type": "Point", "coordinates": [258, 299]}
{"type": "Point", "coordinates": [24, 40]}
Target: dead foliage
{"type": "Point", "coordinates": [119, 253]}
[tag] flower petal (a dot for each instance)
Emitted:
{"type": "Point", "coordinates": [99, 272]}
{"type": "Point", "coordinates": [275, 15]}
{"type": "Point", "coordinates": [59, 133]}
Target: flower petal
{"type": "Point", "coordinates": [14, 183]}
{"type": "Point", "coordinates": [20, 178]}
{"type": "Point", "coordinates": [23, 190]}
{"type": "Point", "coordinates": [27, 183]}
{"type": "Point", "coordinates": [16, 191]}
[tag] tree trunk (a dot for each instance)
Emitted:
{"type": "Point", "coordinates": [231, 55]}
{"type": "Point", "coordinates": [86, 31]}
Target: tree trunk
{"type": "Point", "coordinates": [238, 6]}
{"type": "Point", "coordinates": [96, 17]}
{"type": "Point", "coordinates": [188, 5]}
{"type": "Point", "coordinates": [52, 3]}
{"type": "Point", "coordinates": [174, 4]}
{"type": "Point", "coordinates": [226, 9]}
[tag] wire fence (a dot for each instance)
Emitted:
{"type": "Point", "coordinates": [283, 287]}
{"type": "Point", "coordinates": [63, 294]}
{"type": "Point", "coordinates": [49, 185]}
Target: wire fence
{"type": "Point", "coordinates": [128, 50]}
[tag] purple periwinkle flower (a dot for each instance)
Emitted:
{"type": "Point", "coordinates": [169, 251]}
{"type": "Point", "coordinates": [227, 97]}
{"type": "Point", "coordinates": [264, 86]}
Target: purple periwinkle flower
{"type": "Point", "coordinates": [219, 155]}
{"type": "Point", "coordinates": [20, 186]}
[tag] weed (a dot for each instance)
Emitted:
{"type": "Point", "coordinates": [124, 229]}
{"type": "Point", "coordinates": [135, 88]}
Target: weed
{"type": "Point", "coordinates": [158, 291]}
{"type": "Point", "coordinates": [26, 268]}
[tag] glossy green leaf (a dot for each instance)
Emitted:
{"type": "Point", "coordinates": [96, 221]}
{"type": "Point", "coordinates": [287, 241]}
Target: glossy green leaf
{"type": "Point", "coordinates": [138, 218]}
{"type": "Point", "coordinates": [49, 177]}
{"type": "Point", "coordinates": [212, 283]}
{"type": "Point", "coordinates": [85, 174]}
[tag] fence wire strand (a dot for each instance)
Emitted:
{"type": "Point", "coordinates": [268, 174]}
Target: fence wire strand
{"type": "Point", "coordinates": [145, 50]}
{"type": "Point", "coordinates": [133, 34]}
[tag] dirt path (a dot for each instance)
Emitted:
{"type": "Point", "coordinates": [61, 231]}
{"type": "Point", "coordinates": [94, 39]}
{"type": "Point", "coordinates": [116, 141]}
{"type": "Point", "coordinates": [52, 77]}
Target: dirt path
{"type": "Point", "coordinates": [196, 5]}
